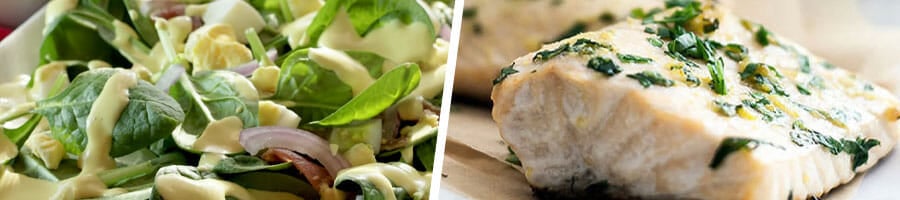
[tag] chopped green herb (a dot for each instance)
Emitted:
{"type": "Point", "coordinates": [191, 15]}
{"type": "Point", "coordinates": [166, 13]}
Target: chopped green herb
{"type": "Point", "coordinates": [607, 17]}
{"type": "Point", "coordinates": [803, 90]}
{"type": "Point", "coordinates": [840, 117]}
{"type": "Point", "coordinates": [804, 64]}
{"type": "Point", "coordinates": [679, 3]}
{"type": "Point", "coordinates": [576, 28]}
{"type": "Point", "coordinates": [868, 87]}
{"type": "Point", "coordinates": [648, 78]}
{"type": "Point", "coordinates": [505, 72]}
{"type": "Point", "coordinates": [763, 77]}
{"type": "Point", "coordinates": [476, 28]}
{"type": "Point", "coordinates": [828, 65]}
{"type": "Point", "coordinates": [586, 46]}
{"type": "Point", "coordinates": [730, 145]}
{"type": "Point", "coordinates": [656, 42]}
{"type": "Point", "coordinates": [858, 149]}
{"type": "Point", "coordinates": [546, 55]}
{"type": "Point", "coordinates": [747, 24]}
{"type": "Point", "coordinates": [628, 58]}
{"type": "Point", "coordinates": [645, 17]}
{"type": "Point", "coordinates": [763, 36]}
{"type": "Point", "coordinates": [714, 45]}
{"type": "Point", "coordinates": [710, 26]}
{"type": "Point", "coordinates": [763, 106]}
{"type": "Point", "coordinates": [736, 52]}
{"type": "Point", "coordinates": [469, 13]}
{"type": "Point", "coordinates": [683, 15]}
{"type": "Point", "coordinates": [649, 30]}
{"type": "Point", "coordinates": [817, 82]}
{"type": "Point", "coordinates": [604, 65]}
{"type": "Point", "coordinates": [512, 158]}
{"type": "Point", "coordinates": [717, 73]}
{"type": "Point", "coordinates": [725, 108]}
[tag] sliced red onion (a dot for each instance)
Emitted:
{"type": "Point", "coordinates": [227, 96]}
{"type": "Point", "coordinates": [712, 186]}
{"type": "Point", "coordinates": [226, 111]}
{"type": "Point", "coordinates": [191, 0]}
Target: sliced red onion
{"type": "Point", "coordinates": [169, 77]}
{"type": "Point", "coordinates": [248, 68]}
{"type": "Point", "coordinates": [445, 32]}
{"type": "Point", "coordinates": [257, 139]}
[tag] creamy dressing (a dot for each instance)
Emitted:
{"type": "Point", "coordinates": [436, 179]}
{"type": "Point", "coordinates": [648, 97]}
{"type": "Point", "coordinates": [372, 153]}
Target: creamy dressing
{"type": "Point", "coordinates": [383, 175]}
{"type": "Point", "coordinates": [237, 13]}
{"type": "Point", "coordinates": [359, 154]}
{"type": "Point", "coordinates": [8, 149]}
{"type": "Point", "coordinates": [97, 64]}
{"type": "Point", "coordinates": [17, 186]}
{"type": "Point", "coordinates": [244, 86]}
{"type": "Point", "coordinates": [221, 136]}
{"type": "Point", "coordinates": [272, 114]}
{"type": "Point", "coordinates": [48, 77]}
{"type": "Point", "coordinates": [56, 8]}
{"type": "Point", "coordinates": [14, 93]}
{"type": "Point", "coordinates": [172, 35]}
{"type": "Point", "coordinates": [176, 187]}
{"type": "Point", "coordinates": [296, 30]}
{"type": "Point", "coordinates": [393, 40]}
{"type": "Point", "coordinates": [124, 42]}
{"type": "Point", "coordinates": [101, 120]}
{"type": "Point", "coordinates": [348, 70]}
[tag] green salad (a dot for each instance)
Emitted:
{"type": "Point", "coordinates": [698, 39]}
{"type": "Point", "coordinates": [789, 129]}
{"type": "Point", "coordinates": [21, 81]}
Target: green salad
{"type": "Point", "coordinates": [228, 99]}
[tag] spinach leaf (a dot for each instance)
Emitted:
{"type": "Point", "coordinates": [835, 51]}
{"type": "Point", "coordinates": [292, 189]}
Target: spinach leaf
{"type": "Point", "coordinates": [425, 153]}
{"type": "Point", "coordinates": [367, 15]}
{"type": "Point", "coordinates": [369, 190]}
{"type": "Point", "coordinates": [277, 182]}
{"type": "Point", "coordinates": [213, 95]}
{"type": "Point", "coordinates": [150, 115]}
{"type": "Point", "coordinates": [72, 37]}
{"type": "Point", "coordinates": [308, 89]}
{"type": "Point", "coordinates": [245, 163]}
{"type": "Point", "coordinates": [387, 90]}
{"type": "Point", "coordinates": [142, 23]}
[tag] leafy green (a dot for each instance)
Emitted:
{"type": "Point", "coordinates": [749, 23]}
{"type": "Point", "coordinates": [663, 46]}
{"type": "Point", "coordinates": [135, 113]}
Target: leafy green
{"type": "Point", "coordinates": [277, 182]}
{"type": "Point", "coordinates": [648, 78]}
{"type": "Point", "coordinates": [730, 145]}
{"type": "Point", "coordinates": [18, 135]}
{"type": "Point", "coordinates": [763, 36]}
{"type": "Point", "coordinates": [245, 163]}
{"type": "Point", "coordinates": [512, 158]}
{"type": "Point", "coordinates": [213, 95]}
{"type": "Point", "coordinates": [119, 176]}
{"type": "Point", "coordinates": [143, 25]}
{"type": "Point", "coordinates": [736, 52]}
{"type": "Point", "coordinates": [369, 190]}
{"type": "Point", "coordinates": [629, 58]}
{"type": "Point", "coordinates": [150, 115]}
{"type": "Point", "coordinates": [72, 37]}
{"type": "Point", "coordinates": [505, 72]}
{"type": "Point", "coordinates": [604, 65]}
{"type": "Point", "coordinates": [804, 64]}
{"type": "Point", "coordinates": [725, 108]}
{"type": "Point", "coordinates": [425, 153]}
{"type": "Point", "coordinates": [689, 10]}
{"type": "Point", "coordinates": [387, 90]}
{"type": "Point", "coordinates": [368, 15]}
{"type": "Point", "coordinates": [310, 90]}
{"type": "Point", "coordinates": [656, 42]}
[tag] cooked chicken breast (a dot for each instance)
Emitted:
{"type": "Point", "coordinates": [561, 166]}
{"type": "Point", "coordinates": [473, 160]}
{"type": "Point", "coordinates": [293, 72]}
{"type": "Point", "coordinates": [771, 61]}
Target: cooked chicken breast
{"type": "Point", "coordinates": [636, 107]}
{"type": "Point", "coordinates": [494, 32]}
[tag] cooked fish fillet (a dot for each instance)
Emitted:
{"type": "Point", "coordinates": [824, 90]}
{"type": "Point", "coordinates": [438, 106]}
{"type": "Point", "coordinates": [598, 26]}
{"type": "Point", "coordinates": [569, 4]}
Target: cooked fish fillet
{"type": "Point", "coordinates": [494, 32]}
{"type": "Point", "coordinates": [784, 130]}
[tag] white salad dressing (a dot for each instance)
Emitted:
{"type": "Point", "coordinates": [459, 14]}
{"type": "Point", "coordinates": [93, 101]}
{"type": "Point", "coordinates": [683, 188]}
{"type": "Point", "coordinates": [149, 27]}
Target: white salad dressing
{"type": "Point", "coordinates": [393, 40]}
{"type": "Point", "coordinates": [125, 36]}
{"type": "Point", "coordinates": [348, 70]}
{"type": "Point", "coordinates": [177, 187]}
{"type": "Point", "coordinates": [17, 186]}
{"type": "Point", "coordinates": [101, 120]}
{"type": "Point", "coordinates": [237, 13]}
{"type": "Point", "coordinates": [221, 136]}
{"type": "Point", "coordinates": [56, 8]}
{"type": "Point", "coordinates": [296, 30]}
{"type": "Point", "coordinates": [383, 175]}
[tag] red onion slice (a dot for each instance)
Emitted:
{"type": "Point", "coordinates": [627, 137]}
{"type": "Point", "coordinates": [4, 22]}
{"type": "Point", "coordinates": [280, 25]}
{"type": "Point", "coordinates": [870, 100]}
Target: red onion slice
{"type": "Point", "coordinates": [256, 139]}
{"type": "Point", "coordinates": [248, 68]}
{"type": "Point", "coordinates": [445, 32]}
{"type": "Point", "coordinates": [169, 77]}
